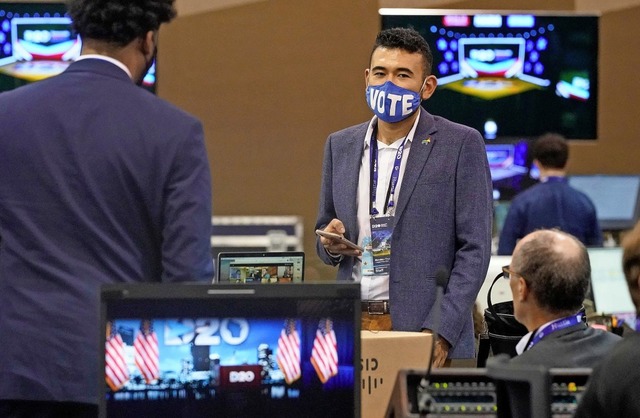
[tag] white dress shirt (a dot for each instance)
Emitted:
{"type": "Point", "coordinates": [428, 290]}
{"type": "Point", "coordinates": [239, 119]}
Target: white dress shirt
{"type": "Point", "coordinates": [376, 287]}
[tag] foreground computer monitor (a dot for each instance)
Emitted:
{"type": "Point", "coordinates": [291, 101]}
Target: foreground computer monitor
{"type": "Point", "coordinates": [244, 350]}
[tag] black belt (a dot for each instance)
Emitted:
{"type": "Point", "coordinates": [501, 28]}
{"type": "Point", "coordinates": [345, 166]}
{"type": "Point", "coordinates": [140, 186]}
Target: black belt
{"type": "Point", "coordinates": [375, 307]}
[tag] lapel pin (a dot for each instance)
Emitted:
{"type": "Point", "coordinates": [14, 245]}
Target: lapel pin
{"type": "Point", "coordinates": [426, 141]}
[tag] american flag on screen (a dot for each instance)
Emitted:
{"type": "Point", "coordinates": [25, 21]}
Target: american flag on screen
{"type": "Point", "coordinates": [117, 372]}
{"type": "Point", "coordinates": [147, 354]}
{"type": "Point", "coordinates": [288, 356]}
{"type": "Point", "coordinates": [324, 355]}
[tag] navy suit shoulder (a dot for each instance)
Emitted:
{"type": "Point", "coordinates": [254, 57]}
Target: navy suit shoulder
{"type": "Point", "coordinates": [553, 204]}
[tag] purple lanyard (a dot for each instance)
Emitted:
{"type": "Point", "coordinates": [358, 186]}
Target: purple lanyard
{"type": "Point", "coordinates": [556, 325]}
{"type": "Point", "coordinates": [395, 174]}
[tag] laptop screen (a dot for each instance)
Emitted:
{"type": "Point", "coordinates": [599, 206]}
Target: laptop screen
{"type": "Point", "coordinates": [190, 350]}
{"type": "Point", "coordinates": [260, 267]}
{"type": "Point", "coordinates": [608, 283]}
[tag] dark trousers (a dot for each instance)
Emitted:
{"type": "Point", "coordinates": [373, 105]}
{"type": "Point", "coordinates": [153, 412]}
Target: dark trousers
{"type": "Point", "coordinates": [43, 409]}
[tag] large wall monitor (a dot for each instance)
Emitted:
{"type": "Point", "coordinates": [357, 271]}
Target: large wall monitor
{"type": "Point", "coordinates": [37, 42]}
{"type": "Point", "coordinates": [511, 74]}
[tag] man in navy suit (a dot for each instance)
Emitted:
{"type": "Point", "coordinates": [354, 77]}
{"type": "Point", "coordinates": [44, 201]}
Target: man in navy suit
{"type": "Point", "coordinates": [414, 191]}
{"type": "Point", "coordinates": [100, 182]}
{"type": "Point", "coordinates": [549, 277]}
{"type": "Point", "coordinates": [552, 203]}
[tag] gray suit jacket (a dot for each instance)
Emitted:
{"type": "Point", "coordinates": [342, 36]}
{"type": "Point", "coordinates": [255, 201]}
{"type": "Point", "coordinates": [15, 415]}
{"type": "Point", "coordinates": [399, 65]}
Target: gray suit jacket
{"type": "Point", "coordinates": [443, 219]}
{"type": "Point", "coordinates": [576, 346]}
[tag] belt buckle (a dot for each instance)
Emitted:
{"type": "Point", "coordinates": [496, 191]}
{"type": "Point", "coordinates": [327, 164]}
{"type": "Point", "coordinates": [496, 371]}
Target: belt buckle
{"type": "Point", "coordinates": [377, 311]}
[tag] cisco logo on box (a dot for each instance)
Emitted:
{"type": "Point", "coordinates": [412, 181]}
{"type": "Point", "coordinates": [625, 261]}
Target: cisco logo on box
{"type": "Point", "coordinates": [241, 376]}
{"type": "Point", "coordinates": [370, 379]}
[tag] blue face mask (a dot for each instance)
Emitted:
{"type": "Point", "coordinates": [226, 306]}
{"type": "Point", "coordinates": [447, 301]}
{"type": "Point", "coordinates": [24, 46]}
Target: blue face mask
{"type": "Point", "coordinates": [392, 103]}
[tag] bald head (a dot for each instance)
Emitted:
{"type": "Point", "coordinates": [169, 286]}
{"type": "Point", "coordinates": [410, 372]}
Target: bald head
{"type": "Point", "coordinates": [555, 266]}
{"type": "Point", "coordinates": [558, 242]}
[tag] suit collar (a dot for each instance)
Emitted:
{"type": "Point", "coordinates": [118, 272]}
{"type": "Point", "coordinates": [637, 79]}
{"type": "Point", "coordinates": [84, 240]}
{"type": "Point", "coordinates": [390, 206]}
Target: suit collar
{"type": "Point", "coordinates": [98, 66]}
{"type": "Point", "coordinates": [420, 150]}
{"type": "Point", "coordinates": [423, 143]}
{"type": "Point", "coordinates": [372, 127]}
{"type": "Point", "coordinates": [113, 61]}
{"type": "Point", "coordinates": [351, 170]}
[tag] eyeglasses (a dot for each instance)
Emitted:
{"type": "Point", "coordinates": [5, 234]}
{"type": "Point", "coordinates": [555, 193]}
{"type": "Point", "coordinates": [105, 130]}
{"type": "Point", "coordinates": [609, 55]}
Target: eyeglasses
{"type": "Point", "coordinates": [507, 272]}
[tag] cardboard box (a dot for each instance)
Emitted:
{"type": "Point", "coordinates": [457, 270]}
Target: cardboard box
{"type": "Point", "coordinates": [383, 354]}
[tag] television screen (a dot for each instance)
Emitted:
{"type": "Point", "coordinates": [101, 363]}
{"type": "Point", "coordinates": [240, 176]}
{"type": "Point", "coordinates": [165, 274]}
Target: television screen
{"type": "Point", "coordinates": [260, 267]}
{"type": "Point", "coordinates": [241, 350]}
{"type": "Point", "coordinates": [511, 169]}
{"type": "Point", "coordinates": [511, 75]}
{"type": "Point", "coordinates": [616, 198]}
{"type": "Point", "coordinates": [37, 42]}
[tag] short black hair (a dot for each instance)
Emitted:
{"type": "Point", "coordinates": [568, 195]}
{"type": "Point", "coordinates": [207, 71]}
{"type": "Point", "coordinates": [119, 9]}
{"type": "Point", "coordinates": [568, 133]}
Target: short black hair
{"type": "Point", "coordinates": [551, 150]}
{"type": "Point", "coordinates": [118, 21]}
{"type": "Point", "coordinates": [558, 281]}
{"type": "Point", "coordinates": [407, 39]}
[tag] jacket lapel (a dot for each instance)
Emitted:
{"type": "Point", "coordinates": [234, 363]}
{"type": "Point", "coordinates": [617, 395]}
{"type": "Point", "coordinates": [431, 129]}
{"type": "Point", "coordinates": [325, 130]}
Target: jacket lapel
{"type": "Point", "coordinates": [421, 146]}
{"type": "Point", "coordinates": [348, 175]}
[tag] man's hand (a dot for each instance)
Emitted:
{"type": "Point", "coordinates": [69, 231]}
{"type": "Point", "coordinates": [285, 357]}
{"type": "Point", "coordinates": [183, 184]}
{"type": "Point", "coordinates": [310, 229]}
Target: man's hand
{"type": "Point", "coordinates": [441, 350]}
{"type": "Point", "coordinates": [335, 247]}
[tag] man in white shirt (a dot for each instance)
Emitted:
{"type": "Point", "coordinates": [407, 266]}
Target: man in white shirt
{"type": "Point", "coordinates": [414, 191]}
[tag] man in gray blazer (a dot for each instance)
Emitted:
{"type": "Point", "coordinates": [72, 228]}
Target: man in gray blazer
{"type": "Point", "coordinates": [549, 277]}
{"type": "Point", "coordinates": [101, 182]}
{"type": "Point", "coordinates": [414, 191]}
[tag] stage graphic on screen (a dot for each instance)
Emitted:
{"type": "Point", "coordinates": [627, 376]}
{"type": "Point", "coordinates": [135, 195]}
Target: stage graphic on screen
{"type": "Point", "coordinates": [38, 42]}
{"type": "Point", "coordinates": [510, 75]}
{"type": "Point", "coordinates": [208, 358]}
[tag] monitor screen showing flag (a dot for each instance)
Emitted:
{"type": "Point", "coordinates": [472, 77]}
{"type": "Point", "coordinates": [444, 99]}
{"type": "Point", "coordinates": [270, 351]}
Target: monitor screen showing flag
{"type": "Point", "coordinates": [231, 350]}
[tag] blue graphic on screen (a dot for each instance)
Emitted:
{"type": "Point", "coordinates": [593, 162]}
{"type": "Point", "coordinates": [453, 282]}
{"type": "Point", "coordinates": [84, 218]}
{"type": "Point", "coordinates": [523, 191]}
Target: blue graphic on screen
{"type": "Point", "coordinates": [511, 75]}
{"type": "Point", "coordinates": [204, 358]}
{"type": "Point", "coordinates": [38, 42]}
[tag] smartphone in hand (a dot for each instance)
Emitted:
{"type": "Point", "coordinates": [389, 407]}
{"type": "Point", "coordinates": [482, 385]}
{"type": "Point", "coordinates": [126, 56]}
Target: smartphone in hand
{"type": "Point", "coordinates": [340, 239]}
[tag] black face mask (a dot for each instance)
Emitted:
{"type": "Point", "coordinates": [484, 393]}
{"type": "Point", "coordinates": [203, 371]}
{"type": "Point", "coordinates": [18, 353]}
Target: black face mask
{"type": "Point", "coordinates": [148, 65]}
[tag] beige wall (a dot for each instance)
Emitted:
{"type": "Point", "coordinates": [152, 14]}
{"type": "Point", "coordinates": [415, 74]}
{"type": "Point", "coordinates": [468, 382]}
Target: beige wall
{"type": "Point", "coordinates": [270, 80]}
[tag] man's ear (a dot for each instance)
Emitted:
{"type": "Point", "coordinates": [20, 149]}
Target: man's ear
{"type": "Point", "coordinates": [430, 85]}
{"type": "Point", "coordinates": [147, 43]}
{"type": "Point", "coordinates": [522, 290]}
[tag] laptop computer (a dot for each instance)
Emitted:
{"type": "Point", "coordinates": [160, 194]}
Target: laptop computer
{"type": "Point", "coordinates": [260, 267]}
{"type": "Point", "coordinates": [608, 283]}
{"type": "Point", "coordinates": [249, 350]}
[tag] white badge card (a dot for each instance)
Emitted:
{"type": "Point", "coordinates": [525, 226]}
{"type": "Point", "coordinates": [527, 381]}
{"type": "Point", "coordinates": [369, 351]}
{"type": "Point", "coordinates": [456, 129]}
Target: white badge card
{"type": "Point", "coordinates": [381, 230]}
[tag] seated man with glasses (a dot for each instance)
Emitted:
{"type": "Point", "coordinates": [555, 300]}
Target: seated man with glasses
{"type": "Point", "coordinates": [549, 277]}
